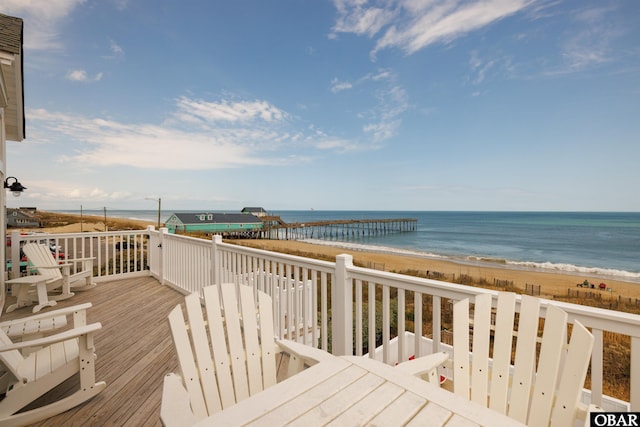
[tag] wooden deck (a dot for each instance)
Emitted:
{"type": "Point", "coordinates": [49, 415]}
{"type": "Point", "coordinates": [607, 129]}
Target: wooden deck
{"type": "Point", "coordinates": [134, 350]}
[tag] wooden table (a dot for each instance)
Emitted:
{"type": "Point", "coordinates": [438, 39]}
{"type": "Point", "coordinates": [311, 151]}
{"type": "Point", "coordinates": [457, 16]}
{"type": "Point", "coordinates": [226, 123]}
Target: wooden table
{"type": "Point", "coordinates": [350, 390]}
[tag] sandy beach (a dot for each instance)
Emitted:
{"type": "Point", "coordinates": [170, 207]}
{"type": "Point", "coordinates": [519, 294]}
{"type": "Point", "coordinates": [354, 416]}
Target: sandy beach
{"type": "Point", "coordinates": [551, 283]}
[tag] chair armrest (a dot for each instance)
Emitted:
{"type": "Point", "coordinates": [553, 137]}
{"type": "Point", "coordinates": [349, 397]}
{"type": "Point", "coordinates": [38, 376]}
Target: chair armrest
{"type": "Point", "coordinates": [58, 266]}
{"type": "Point", "coordinates": [308, 354]}
{"type": "Point", "coordinates": [51, 339]}
{"type": "Point", "coordinates": [47, 315]}
{"type": "Point", "coordinates": [69, 261]}
{"type": "Point", "coordinates": [175, 409]}
{"type": "Point", "coordinates": [425, 365]}
{"type": "Point", "coordinates": [584, 411]}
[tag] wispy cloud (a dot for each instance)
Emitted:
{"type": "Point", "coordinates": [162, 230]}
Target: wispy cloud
{"type": "Point", "coordinates": [81, 76]}
{"type": "Point", "coordinates": [479, 67]}
{"type": "Point", "coordinates": [48, 191]}
{"type": "Point", "coordinates": [198, 110]}
{"type": "Point", "coordinates": [355, 17]}
{"type": "Point", "coordinates": [200, 135]}
{"type": "Point", "coordinates": [117, 52]}
{"type": "Point", "coordinates": [411, 25]}
{"type": "Point", "coordinates": [338, 86]}
{"type": "Point", "coordinates": [385, 118]}
{"type": "Point", "coordinates": [42, 20]}
{"type": "Point", "coordinates": [590, 41]}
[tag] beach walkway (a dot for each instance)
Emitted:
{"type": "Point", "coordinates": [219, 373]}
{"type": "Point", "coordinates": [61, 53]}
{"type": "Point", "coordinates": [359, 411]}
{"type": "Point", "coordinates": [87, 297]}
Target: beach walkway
{"type": "Point", "coordinates": [134, 350]}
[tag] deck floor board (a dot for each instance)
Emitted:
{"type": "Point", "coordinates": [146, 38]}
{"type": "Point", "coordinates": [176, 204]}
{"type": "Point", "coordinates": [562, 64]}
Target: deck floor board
{"type": "Point", "coordinates": [134, 350]}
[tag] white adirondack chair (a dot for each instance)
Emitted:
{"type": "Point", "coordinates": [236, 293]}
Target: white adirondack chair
{"type": "Point", "coordinates": [240, 361]}
{"type": "Point", "coordinates": [60, 275]}
{"type": "Point", "coordinates": [548, 395]}
{"type": "Point", "coordinates": [25, 379]}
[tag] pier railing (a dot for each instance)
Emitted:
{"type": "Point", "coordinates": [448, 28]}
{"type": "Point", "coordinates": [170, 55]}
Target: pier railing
{"type": "Point", "coordinates": [335, 306]}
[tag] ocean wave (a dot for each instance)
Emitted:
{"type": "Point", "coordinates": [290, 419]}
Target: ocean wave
{"type": "Point", "coordinates": [499, 262]}
{"type": "Point", "coordinates": [570, 268]}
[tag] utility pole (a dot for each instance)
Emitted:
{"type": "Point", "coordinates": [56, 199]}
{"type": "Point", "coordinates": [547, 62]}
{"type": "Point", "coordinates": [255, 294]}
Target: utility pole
{"type": "Point", "coordinates": [159, 200]}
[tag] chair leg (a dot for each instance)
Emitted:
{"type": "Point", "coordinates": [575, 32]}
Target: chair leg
{"type": "Point", "coordinates": [88, 284]}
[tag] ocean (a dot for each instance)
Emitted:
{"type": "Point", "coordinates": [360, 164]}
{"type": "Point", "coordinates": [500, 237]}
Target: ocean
{"type": "Point", "coordinates": [601, 244]}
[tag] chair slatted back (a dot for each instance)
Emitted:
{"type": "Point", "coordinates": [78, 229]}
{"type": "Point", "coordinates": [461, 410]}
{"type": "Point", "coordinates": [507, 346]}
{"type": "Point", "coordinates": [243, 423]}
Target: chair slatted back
{"type": "Point", "coordinates": [40, 256]}
{"type": "Point", "coordinates": [236, 358]}
{"type": "Point", "coordinates": [524, 366]}
{"type": "Point", "coordinates": [553, 341]}
{"type": "Point", "coordinates": [548, 395]}
{"type": "Point", "coordinates": [573, 374]}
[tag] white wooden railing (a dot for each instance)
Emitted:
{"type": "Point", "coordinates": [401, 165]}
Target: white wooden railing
{"type": "Point", "coordinates": [116, 254]}
{"type": "Point", "coordinates": [325, 304]}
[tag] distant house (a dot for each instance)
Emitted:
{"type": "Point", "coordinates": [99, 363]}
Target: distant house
{"type": "Point", "coordinates": [214, 223]}
{"type": "Point", "coordinates": [259, 212]}
{"type": "Point", "coordinates": [19, 218]}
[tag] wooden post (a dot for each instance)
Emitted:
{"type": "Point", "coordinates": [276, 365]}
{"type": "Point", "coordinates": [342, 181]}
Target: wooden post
{"type": "Point", "coordinates": [161, 234]}
{"type": "Point", "coordinates": [341, 310]}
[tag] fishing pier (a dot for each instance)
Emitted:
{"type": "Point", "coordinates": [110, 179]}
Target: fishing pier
{"type": "Point", "coordinates": [275, 228]}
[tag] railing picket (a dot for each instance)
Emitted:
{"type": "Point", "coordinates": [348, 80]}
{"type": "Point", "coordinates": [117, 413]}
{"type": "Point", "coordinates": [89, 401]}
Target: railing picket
{"type": "Point", "coordinates": [436, 322]}
{"type": "Point", "coordinates": [324, 325]}
{"type": "Point", "coordinates": [386, 324]}
{"type": "Point", "coordinates": [635, 374]}
{"type": "Point", "coordinates": [402, 348]}
{"type": "Point", "coordinates": [596, 367]}
{"type": "Point", "coordinates": [417, 324]}
{"type": "Point", "coordinates": [372, 318]}
{"type": "Point", "coordinates": [358, 317]}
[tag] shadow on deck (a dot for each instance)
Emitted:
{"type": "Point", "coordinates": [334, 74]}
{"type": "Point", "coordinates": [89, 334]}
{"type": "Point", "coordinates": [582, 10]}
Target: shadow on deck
{"type": "Point", "coordinates": [134, 350]}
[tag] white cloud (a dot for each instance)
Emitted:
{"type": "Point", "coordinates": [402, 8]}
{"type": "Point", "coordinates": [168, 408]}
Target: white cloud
{"type": "Point", "coordinates": [382, 130]}
{"type": "Point", "coordinates": [42, 20]}
{"type": "Point", "coordinates": [384, 119]}
{"type": "Point", "coordinates": [412, 25]}
{"type": "Point", "coordinates": [201, 135]}
{"type": "Point", "coordinates": [354, 17]}
{"type": "Point", "coordinates": [56, 191]}
{"type": "Point", "coordinates": [479, 67]}
{"type": "Point", "coordinates": [196, 110]}
{"type": "Point", "coordinates": [116, 50]}
{"type": "Point", "coordinates": [338, 86]}
{"type": "Point", "coordinates": [81, 76]}
{"type": "Point", "coordinates": [590, 42]}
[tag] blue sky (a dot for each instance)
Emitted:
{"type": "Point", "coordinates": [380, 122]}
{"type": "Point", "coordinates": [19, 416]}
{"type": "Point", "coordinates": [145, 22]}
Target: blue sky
{"type": "Point", "coordinates": [343, 104]}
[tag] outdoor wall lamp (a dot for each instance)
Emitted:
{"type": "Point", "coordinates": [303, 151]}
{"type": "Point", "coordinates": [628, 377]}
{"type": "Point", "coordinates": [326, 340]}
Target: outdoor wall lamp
{"type": "Point", "coordinates": [15, 187]}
